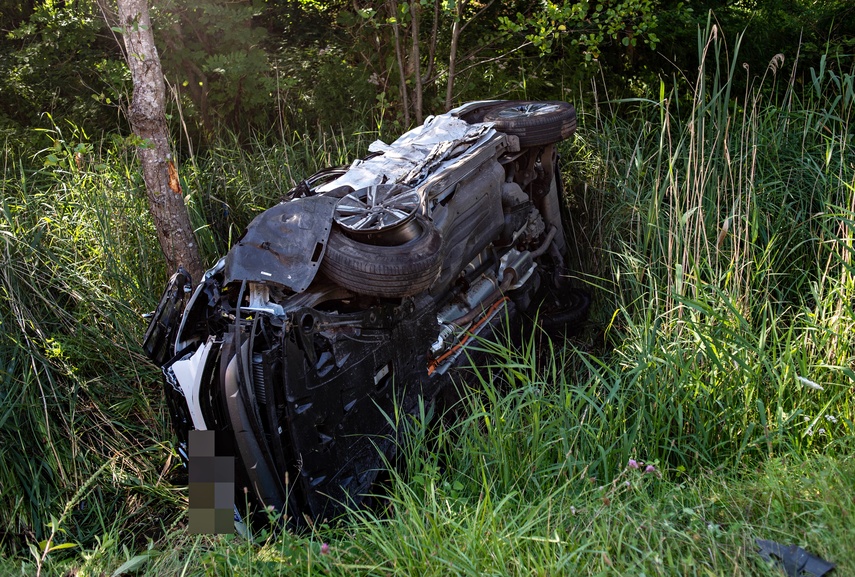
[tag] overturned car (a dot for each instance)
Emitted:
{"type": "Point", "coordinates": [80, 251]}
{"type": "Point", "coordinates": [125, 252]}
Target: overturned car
{"type": "Point", "coordinates": [359, 294]}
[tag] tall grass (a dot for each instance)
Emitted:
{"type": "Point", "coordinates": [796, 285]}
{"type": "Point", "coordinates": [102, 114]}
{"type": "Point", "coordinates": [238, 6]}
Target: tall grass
{"type": "Point", "coordinates": [717, 231]}
{"type": "Point", "coordinates": [76, 394]}
{"type": "Point", "coordinates": [726, 235]}
{"type": "Point", "coordinates": [79, 266]}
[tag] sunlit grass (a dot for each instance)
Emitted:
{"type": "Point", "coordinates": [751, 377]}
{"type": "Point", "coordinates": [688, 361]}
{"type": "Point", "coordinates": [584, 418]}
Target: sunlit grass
{"type": "Point", "coordinates": [716, 232]}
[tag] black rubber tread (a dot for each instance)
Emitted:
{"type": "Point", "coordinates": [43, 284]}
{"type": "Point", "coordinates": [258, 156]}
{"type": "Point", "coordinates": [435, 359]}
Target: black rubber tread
{"type": "Point", "coordinates": [564, 313]}
{"type": "Point", "coordinates": [386, 271]}
{"type": "Point", "coordinates": [538, 129]}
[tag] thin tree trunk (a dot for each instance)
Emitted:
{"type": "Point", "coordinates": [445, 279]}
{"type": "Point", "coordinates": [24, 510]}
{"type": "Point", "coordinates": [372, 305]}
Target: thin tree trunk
{"type": "Point", "coordinates": [415, 13]}
{"type": "Point", "coordinates": [148, 121]}
{"type": "Point", "coordinates": [432, 46]}
{"type": "Point", "coordinates": [452, 58]}
{"type": "Point", "coordinates": [399, 54]}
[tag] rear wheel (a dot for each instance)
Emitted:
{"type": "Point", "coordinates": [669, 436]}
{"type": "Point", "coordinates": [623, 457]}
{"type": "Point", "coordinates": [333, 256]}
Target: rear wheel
{"type": "Point", "coordinates": [564, 311]}
{"type": "Point", "coordinates": [535, 123]}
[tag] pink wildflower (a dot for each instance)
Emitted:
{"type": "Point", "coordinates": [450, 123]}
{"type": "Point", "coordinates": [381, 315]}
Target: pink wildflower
{"type": "Point", "coordinates": [633, 464]}
{"type": "Point", "coordinates": [325, 548]}
{"type": "Point", "coordinates": [650, 469]}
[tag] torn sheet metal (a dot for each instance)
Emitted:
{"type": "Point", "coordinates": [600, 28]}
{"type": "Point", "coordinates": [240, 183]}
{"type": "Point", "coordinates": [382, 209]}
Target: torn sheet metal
{"type": "Point", "coordinates": [417, 154]}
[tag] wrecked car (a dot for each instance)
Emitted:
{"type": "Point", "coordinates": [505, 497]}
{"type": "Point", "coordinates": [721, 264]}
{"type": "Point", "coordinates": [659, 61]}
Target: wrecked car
{"type": "Point", "coordinates": [358, 295]}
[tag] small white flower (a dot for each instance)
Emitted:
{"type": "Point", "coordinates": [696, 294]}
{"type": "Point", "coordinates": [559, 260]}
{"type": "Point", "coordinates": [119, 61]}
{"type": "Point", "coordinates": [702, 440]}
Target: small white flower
{"type": "Point", "coordinates": [831, 418]}
{"type": "Point", "coordinates": [810, 384]}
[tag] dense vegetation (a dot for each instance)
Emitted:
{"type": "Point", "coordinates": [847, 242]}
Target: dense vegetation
{"type": "Point", "coordinates": [714, 215]}
{"type": "Point", "coordinates": [244, 67]}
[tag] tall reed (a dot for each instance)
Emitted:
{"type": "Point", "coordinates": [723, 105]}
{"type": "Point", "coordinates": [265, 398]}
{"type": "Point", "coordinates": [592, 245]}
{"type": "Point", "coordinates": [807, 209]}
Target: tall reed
{"type": "Point", "coordinates": [78, 266]}
{"type": "Point", "coordinates": [725, 226]}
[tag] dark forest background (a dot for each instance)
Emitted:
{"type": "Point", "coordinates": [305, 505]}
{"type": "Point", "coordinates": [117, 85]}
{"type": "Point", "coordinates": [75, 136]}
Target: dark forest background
{"type": "Point", "coordinates": [259, 67]}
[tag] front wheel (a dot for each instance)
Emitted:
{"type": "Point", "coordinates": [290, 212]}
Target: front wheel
{"type": "Point", "coordinates": [387, 271]}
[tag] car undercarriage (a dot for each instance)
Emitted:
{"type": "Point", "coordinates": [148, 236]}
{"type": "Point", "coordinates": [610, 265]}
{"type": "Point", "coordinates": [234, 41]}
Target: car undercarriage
{"type": "Point", "coordinates": [356, 298]}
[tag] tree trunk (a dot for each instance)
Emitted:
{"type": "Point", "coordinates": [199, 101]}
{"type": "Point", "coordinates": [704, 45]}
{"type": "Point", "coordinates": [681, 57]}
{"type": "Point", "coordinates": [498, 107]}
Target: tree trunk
{"type": "Point", "coordinates": [415, 14]}
{"type": "Point", "coordinates": [399, 56]}
{"type": "Point", "coordinates": [452, 58]}
{"type": "Point", "coordinates": [426, 77]}
{"type": "Point", "coordinates": [148, 121]}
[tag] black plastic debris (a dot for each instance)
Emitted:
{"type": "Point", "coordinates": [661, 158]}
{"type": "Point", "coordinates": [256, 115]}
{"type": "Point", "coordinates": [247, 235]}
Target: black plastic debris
{"type": "Point", "coordinates": [795, 561]}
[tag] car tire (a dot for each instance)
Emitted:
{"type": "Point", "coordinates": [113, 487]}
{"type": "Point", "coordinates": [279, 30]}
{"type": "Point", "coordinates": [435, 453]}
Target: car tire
{"type": "Point", "coordinates": [386, 271]}
{"type": "Point", "coordinates": [534, 123]}
{"type": "Point", "coordinates": [564, 314]}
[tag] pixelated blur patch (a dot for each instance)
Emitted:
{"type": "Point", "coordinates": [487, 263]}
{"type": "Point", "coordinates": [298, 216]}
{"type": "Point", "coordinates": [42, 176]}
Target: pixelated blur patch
{"type": "Point", "coordinates": [212, 482]}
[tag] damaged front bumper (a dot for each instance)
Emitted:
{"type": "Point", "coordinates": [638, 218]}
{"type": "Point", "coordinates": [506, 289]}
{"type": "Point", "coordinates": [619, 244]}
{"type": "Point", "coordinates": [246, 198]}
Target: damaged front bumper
{"type": "Point", "coordinates": [311, 396]}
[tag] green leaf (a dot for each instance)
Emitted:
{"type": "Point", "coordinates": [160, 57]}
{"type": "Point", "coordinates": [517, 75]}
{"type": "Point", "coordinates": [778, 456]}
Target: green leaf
{"type": "Point", "coordinates": [133, 564]}
{"type": "Point", "coordinates": [63, 546]}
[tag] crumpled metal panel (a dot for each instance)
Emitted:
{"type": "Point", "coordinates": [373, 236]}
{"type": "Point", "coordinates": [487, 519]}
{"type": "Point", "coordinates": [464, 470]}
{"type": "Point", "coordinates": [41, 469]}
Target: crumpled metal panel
{"type": "Point", "coordinates": [160, 335]}
{"type": "Point", "coordinates": [416, 155]}
{"type": "Point", "coordinates": [284, 244]}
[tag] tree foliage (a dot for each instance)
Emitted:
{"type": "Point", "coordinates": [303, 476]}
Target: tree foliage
{"type": "Point", "coordinates": [591, 26]}
{"type": "Point", "coordinates": [213, 53]}
{"type": "Point", "coordinates": [249, 65]}
{"type": "Point", "coordinates": [59, 58]}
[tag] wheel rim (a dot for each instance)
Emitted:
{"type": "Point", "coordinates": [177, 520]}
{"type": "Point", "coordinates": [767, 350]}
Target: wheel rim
{"type": "Point", "coordinates": [324, 177]}
{"type": "Point", "coordinates": [380, 211]}
{"type": "Point", "coordinates": [526, 110]}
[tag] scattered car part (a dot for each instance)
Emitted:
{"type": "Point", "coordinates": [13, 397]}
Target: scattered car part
{"type": "Point", "coordinates": [355, 299]}
{"type": "Point", "coordinates": [795, 561]}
